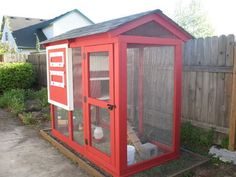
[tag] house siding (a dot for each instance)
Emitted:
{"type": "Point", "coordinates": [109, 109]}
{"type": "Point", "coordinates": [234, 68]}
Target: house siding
{"type": "Point", "coordinates": [11, 40]}
{"type": "Point", "coordinates": [67, 23]}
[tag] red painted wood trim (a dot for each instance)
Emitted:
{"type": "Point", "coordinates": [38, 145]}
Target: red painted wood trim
{"type": "Point", "coordinates": [52, 116]}
{"type": "Point", "coordinates": [185, 35]}
{"type": "Point", "coordinates": [174, 29]}
{"type": "Point", "coordinates": [94, 40]}
{"type": "Point", "coordinates": [70, 125]}
{"type": "Point", "coordinates": [140, 91]}
{"type": "Point", "coordinates": [108, 160]}
{"type": "Point", "coordinates": [177, 96]}
{"type": "Point", "coordinates": [123, 105]}
{"type": "Point", "coordinates": [149, 164]}
{"type": "Point", "coordinates": [56, 43]}
{"type": "Point", "coordinates": [148, 40]}
{"type": "Point", "coordinates": [165, 22]}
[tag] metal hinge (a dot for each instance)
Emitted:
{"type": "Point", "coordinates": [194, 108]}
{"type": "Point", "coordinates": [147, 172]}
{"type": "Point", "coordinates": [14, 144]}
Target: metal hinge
{"type": "Point", "coordinates": [86, 141]}
{"type": "Point", "coordinates": [85, 99]}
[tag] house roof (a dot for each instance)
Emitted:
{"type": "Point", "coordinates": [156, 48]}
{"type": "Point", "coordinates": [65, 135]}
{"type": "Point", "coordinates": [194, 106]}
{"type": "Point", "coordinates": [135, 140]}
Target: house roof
{"type": "Point", "coordinates": [26, 37]}
{"type": "Point", "coordinates": [105, 27]}
{"type": "Point", "coordinates": [16, 23]}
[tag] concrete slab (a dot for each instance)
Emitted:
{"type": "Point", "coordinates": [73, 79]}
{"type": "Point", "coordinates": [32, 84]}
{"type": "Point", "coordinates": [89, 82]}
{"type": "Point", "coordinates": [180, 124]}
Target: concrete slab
{"type": "Point", "coordinates": [23, 153]}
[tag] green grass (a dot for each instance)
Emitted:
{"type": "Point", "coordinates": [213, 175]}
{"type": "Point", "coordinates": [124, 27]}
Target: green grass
{"type": "Point", "coordinates": [13, 100]}
{"type": "Point", "coordinates": [28, 119]}
{"type": "Point", "coordinates": [188, 174]}
{"type": "Point", "coordinates": [42, 96]}
{"type": "Point", "coordinates": [196, 139]}
{"type": "Point", "coordinates": [225, 142]}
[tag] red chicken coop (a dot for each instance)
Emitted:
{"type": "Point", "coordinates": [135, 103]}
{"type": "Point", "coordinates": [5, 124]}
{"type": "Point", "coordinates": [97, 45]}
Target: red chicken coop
{"type": "Point", "coordinates": [115, 91]}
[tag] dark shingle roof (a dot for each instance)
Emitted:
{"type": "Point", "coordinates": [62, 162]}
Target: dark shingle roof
{"type": "Point", "coordinates": [99, 27]}
{"type": "Point", "coordinates": [17, 23]}
{"type": "Point", "coordinates": [26, 37]}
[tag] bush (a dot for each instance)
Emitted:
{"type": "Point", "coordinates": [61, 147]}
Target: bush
{"type": "Point", "coordinates": [16, 75]}
{"type": "Point", "coordinates": [225, 142]}
{"type": "Point", "coordinates": [42, 97]}
{"type": "Point", "coordinates": [13, 100]}
{"type": "Point", "coordinates": [196, 139]}
{"type": "Point", "coordinates": [28, 119]}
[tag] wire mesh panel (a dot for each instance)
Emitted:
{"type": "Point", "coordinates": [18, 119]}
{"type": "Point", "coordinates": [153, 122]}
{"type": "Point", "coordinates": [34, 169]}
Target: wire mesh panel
{"type": "Point", "coordinates": [150, 89]}
{"type": "Point", "coordinates": [99, 75]}
{"type": "Point", "coordinates": [78, 125]}
{"type": "Point", "coordinates": [100, 129]}
{"type": "Point", "coordinates": [99, 89]}
{"type": "Point", "coordinates": [61, 120]}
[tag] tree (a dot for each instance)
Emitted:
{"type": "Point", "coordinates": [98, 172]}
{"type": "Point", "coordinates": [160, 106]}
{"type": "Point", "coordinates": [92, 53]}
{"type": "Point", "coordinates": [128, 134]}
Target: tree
{"type": "Point", "coordinates": [193, 19]}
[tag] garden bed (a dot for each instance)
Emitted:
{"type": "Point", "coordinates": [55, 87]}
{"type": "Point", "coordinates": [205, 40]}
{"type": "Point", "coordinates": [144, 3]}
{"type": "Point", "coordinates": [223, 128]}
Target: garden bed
{"type": "Point", "coordinates": [187, 161]}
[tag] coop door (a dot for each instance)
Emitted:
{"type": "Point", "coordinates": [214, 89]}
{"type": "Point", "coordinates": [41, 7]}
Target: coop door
{"type": "Point", "coordinates": [100, 101]}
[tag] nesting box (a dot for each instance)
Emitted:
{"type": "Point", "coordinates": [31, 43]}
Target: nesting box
{"type": "Point", "coordinates": [118, 83]}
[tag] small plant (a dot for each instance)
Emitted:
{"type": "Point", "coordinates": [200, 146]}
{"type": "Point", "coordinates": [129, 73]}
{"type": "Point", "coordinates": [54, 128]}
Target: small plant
{"type": "Point", "coordinates": [42, 96]}
{"type": "Point", "coordinates": [196, 139]}
{"type": "Point", "coordinates": [188, 174]}
{"type": "Point", "coordinates": [28, 119]}
{"type": "Point", "coordinates": [225, 142]}
{"type": "Point", "coordinates": [13, 100]}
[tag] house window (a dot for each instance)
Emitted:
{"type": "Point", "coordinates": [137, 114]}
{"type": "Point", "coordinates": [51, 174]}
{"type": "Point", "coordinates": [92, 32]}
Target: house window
{"type": "Point", "coordinates": [6, 36]}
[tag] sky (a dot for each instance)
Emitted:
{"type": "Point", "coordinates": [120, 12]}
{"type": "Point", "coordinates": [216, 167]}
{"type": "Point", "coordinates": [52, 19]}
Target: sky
{"type": "Point", "coordinates": [221, 13]}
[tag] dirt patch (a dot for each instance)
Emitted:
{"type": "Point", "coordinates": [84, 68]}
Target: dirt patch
{"type": "Point", "coordinates": [213, 170]}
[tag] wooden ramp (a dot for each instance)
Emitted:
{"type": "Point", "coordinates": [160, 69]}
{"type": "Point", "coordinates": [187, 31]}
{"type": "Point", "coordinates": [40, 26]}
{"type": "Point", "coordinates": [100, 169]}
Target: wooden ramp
{"type": "Point", "coordinates": [134, 140]}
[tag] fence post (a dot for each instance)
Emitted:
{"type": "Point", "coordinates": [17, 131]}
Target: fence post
{"type": "Point", "coordinates": [232, 118]}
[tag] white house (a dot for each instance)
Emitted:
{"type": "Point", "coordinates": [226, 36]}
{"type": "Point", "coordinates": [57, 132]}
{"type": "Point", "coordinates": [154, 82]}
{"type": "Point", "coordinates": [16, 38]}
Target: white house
{"type": "Point", "coordinates": [24, 34]}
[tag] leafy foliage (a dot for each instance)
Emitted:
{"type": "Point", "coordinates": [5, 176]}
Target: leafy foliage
{"type": "Point", "coordinates": [13, 100]}
{"type": "Point", "coordinates": [28, 119]}
{"type": "Point", "coordinates": [5, 48]}
{"type": "Point", "coordinates": [193, 18]}
{"type": "Point", "coordinates": [196, 139]}
{"type": "Point", "coordinates": [225, 142]}
{"type": "Point", "coordinates": [16, 75]}
{"type": "Point", "coordinates": [42, 96]}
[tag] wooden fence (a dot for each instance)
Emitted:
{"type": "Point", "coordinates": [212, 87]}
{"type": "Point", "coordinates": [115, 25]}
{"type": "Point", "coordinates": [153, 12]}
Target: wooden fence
{"type": "Point", "coordinates": [208, 86]}
{"type": "Point", "coordinates": [39, 62]}
{"type": "Point", "coordinates": [13, 57]}
{"type": "Point", "coordinates": [207, 81]}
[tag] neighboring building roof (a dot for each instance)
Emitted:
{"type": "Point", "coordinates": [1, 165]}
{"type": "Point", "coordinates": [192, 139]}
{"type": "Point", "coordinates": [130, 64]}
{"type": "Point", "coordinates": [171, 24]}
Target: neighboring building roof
{"type": "Point", "coordinates": [105, 27]}
{"type": "Point", "coordinates": [26, 37]}
{"type": "Point", "coordinates": [16, 23]}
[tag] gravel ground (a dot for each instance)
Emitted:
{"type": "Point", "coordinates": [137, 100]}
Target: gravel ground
{"type": "Point", "coordinates": [23, 153]}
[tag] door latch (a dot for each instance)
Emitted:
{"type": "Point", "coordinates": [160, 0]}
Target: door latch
{"type": "Point", "coordinates": [111, 107]}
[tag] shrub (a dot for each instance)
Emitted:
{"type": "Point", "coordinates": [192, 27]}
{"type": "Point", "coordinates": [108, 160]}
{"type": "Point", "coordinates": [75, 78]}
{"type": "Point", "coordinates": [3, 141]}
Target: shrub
{"type": "Point", "coordinates": [16, 75]}
{"type": "Point", "coordinates": [196, 139]}
{"type": "Point", "coordinates": [28, 119]}
{"type": "Point", "coordinates": [225, 142]}
{"type": "Point", "coordinates": [13, 100]}
{"type": "Point", "coordinates": [42, 96]}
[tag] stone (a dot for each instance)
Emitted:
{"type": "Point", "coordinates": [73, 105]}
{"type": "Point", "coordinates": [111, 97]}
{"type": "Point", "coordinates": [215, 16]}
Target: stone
{"type": "Point", "coordinates": [148, 150]}
{"type": "Point", "coordinates": [37, 115]}
{"type": "Point", "coordinates": [32, 105]}
{"type": "Point", "coordinates": [223, 154]}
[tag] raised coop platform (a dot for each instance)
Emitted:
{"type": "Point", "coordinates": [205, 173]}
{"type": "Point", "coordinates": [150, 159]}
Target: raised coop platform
{"type": "Point", "coordinates": [187, 161]}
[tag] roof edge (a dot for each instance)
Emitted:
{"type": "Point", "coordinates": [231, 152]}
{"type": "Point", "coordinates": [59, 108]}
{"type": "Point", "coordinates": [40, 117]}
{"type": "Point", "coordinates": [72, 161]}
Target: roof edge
{"type": "Point", "coordinates": [65, 14]}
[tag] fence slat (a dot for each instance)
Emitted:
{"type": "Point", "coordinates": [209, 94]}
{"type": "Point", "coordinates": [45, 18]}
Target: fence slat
{"type": "Point", "coordinates": [39, 62]}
